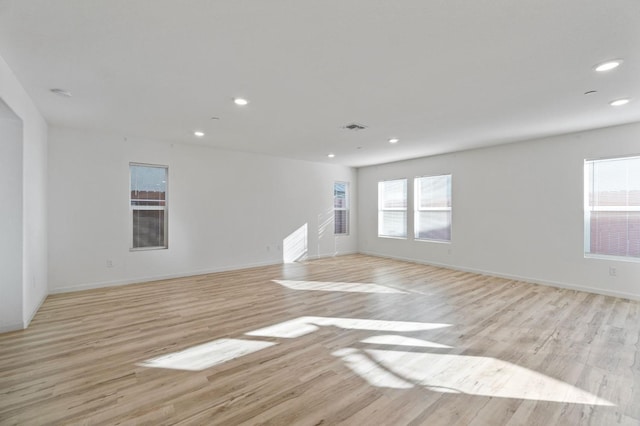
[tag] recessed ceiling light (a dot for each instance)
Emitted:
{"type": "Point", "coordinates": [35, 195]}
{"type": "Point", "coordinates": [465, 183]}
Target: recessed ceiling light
{"type": "Point", "coordinates": [619, 102]}
{"type": "Point", "coordinates": [198, 133]}
{"type": "Point", "coordinates": [394, 140]}
{"type": "Point", "coordinates": [331, 155]}
{"type": "Point", "coordinates": [608, 66]}
{"type": "Point", "coordinates": [61, 92]}
{"type": "Point", "coordinates": [240, 101]}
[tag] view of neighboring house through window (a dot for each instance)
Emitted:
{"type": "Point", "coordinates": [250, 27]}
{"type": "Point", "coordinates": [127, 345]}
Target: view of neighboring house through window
{"type": "Point", "coordinates": [612, 207]}
{"type": "Point", "coordinates": [392, 208]}
{"type": "Point", "coordinates": [148, 201]}
{"type": "Point", "coordinates": [341, 207]}
{"type": "Point", "coordinates": [433, 208]}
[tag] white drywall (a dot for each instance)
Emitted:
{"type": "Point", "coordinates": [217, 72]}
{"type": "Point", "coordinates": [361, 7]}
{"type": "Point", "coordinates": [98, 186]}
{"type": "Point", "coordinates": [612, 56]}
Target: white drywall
{"type": "Point", "coordinates": [517, 211]}
{"type": "Point", "coordinates": [33, 252]}
{"type": "Point", "coordinates": [10, 221]}
{"type": "Point", "coordinates": [227, 209]}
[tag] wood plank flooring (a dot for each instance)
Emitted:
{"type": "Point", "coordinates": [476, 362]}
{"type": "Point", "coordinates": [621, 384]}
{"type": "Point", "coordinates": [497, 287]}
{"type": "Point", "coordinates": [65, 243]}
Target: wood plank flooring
{"type": "Point", "coordinates": [353, 340]}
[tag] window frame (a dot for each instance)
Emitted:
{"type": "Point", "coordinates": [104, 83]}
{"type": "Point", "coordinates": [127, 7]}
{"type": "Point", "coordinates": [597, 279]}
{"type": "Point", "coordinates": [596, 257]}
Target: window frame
{"type": "Point", "coordinates": [347, 208]}
{"type": "Point", "coordinates": [417, 209]}
{"type": "Point", "coordinates": [165, 208]}
{"type": "Point", "coordinates": [382, 210]}
{"type": "Point", "coordinates": [588, 209]}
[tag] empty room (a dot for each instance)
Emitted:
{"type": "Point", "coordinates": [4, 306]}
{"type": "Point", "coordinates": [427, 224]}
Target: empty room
{"type": "Point", "coordinates": [318, 213]}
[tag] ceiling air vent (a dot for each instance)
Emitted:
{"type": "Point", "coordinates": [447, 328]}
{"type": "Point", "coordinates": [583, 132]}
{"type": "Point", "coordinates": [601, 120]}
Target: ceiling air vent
{"type": "Point", "coordinates": [354, 126]}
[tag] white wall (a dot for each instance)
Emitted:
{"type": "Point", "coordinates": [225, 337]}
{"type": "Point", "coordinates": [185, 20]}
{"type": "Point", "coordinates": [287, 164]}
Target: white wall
{"type": "Point", "coordinates": [517, 211]}
{"type": "Point", "coordinates": [10, 221]}
{"type": "Point", "coordinates": [34, 185]}
{"type": "Point", "coordinates": [227, 209]}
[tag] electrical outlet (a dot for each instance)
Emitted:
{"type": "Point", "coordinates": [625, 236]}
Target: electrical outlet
{"type": "Point", "coordinates": [612, 271]}
{"type": "Point", "coordinates": [109, 263]}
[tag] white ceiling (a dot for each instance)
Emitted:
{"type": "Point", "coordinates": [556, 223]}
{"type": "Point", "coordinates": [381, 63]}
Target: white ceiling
{"type": "Point", "coordinates": [441, 75]}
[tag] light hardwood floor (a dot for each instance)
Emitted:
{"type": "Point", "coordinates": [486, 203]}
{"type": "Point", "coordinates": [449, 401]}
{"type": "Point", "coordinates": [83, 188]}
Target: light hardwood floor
{"type": "Point", "coordinates": [349, 340]}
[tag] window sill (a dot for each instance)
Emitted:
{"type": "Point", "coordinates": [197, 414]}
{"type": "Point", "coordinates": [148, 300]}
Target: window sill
{"type": "Point", "coordinates": [148, 248]}
{"type": "Point", "coordinates": [612, 258]}
{"type": "Point", "coordinates": [425, 240]}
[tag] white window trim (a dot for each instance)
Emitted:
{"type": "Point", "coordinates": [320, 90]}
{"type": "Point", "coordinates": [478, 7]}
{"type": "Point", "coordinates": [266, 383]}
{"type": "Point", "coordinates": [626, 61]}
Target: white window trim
{"type": "Point", "coordinates": [165, 208]}
{"type": "Point", "coordinates": [394, 209]}
{"type": "Point", "coordinates": [614, 208]}
{"type": "Point", "coordinates": [416, 189]}
{"type": "Point", "coordinates": [588, 209]}
{"type": "Point", "coordinates": [347, 198]}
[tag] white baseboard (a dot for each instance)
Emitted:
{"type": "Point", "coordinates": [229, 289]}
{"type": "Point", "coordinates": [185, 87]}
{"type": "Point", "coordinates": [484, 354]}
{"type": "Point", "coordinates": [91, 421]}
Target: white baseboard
{"type": "Point", "coordinates": [144, 279]}
{"type": "Point", "coordinates": [25, 323]}
{"type": "Point", "coordinates": [11, 327]}
{"type": "Point", "coordinates": [325, 256]}
{"type": "Point", "coordinates": [556, 284]}
{"type": "Point", "coordinates": [137, 280]}
{"type": "Point", "coordinates": [34, 311]}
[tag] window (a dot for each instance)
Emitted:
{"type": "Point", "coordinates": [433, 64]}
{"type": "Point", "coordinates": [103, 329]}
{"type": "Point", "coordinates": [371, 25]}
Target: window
{"type": "Point", "coordinates": [612, 207]}
{"type": "Point", "coordinates": [392, 208]}
{"type": "Point", "coordinates": [341, 208]}
{"type": "Point", "coordinates": [148, 201]}
{"type": "Point", "coordinates": [433, 208]}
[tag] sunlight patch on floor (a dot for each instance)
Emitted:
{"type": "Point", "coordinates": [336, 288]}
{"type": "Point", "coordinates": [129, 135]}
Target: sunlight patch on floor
{"type": "Point", "coordinates": [370, 371]}
{"type": "Point", "coordinates": [394, 369]}
{"type": "Point", "coordinates": [207, 355]}
{"type": "Point", "coordinates": [306, 325]}
{"type": "Point", "coordinates": [473, 375]}
{"type": "Point", "coordinates": [338, 286]}
{"type": "Point", "coordinates": [393, 339]}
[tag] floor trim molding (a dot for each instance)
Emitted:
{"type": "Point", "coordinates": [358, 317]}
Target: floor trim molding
{"type": "Point", "coordinates": [144, 279]}
{"type": "Point", "coordinates": [556, 284]}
